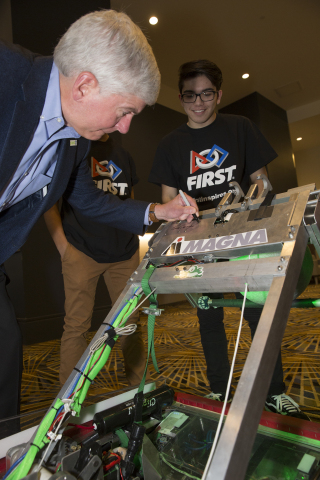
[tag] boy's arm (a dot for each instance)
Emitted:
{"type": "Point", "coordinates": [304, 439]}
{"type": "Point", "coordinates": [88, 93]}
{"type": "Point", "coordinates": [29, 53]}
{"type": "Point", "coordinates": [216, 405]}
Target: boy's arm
{"type": "Point", "coordinates": [54, 224]}
{"type": "Point", "coordinates": [168, 193]}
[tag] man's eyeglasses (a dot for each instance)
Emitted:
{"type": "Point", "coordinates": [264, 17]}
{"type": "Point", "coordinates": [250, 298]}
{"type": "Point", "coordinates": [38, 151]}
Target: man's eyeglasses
{"type": "Point", "coordinates": [205, 96]}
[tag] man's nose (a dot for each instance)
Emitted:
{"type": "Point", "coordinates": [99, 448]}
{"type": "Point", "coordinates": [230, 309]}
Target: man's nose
{"type": "Point", "coordinates": [124, 124]}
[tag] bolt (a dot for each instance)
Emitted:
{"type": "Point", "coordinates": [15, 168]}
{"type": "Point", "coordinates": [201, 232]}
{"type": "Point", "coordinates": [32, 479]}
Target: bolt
{"type": "Point", "coordinates": [280, 267]}
{"type": "Point", "coordinates": [147, 255]}
{"type": "Point", "coordinates": [184, 268]}
{"type": "Point", "coordinates": [293, 229]}
{"type": "Point", "coordinates": [135, 273]}
{"type": "Point", "coordinates": [150, 249]}
{"type": "Point", "coordinates": [282, 259]}
{"type": "Point", "coordinates": [177, 269]}
{"type": "Point", "coordinates": [291, 235]}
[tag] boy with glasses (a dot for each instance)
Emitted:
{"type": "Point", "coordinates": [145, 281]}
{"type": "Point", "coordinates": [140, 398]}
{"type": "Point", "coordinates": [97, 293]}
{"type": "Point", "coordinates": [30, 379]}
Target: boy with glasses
{"type": "Point", "coordinates": [201, 158]}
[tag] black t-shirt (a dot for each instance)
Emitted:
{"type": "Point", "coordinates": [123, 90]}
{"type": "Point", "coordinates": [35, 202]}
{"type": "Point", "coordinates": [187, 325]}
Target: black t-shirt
{"type": "Point", "coordinates": [113, 171]}
{"type": "Point", "coordinates": [202, 162]}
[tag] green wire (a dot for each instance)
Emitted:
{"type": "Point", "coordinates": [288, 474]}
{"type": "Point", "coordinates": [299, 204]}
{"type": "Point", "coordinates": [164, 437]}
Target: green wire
{"type": "Point", "coordinates": [38, 443]}
{"type": "Point", "coordinates": [41, 439]}
{"type": "Point", "coordinates": [81, 394]}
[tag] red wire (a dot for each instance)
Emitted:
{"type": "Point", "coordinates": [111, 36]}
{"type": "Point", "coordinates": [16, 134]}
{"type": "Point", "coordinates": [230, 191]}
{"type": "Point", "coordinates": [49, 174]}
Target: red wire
{"type": "Point", "coordinates": [112, 464]}
{"type": "Point", "coordinates": [80, 426]}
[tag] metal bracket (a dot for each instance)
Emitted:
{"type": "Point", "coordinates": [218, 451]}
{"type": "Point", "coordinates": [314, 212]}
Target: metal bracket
{"type": "Point", "coordinates": [267, 187]}
{"type": "Point", "coordinates": [153, 311]}
{"type": "Point", "coordinates": [226, 201]}
{"type": "Point", "coordinates": [239, 191]}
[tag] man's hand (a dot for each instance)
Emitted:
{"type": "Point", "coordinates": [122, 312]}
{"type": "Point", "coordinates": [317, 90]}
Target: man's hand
{"type": "Point", "coordinates": [53, 220]}
{"type": "Point", "coordinates": [177, 210]}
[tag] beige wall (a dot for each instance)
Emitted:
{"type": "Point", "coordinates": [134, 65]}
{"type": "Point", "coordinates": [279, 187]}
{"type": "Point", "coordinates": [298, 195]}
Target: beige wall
{"type": "Point", "coordinates": [5, 20]}
{"type": "Point", "coordinates": [308, 166]}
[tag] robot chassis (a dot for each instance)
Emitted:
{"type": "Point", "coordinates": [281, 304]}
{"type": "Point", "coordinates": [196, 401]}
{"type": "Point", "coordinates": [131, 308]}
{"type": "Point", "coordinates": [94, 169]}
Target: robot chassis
{"type": "Point", "coordinates": [195, 257]}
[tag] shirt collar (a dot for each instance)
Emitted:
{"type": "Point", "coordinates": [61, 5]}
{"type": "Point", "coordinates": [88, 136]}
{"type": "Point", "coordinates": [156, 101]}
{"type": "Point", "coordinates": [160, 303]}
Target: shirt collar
{"type": "Point", "coordinates": [52, 114]}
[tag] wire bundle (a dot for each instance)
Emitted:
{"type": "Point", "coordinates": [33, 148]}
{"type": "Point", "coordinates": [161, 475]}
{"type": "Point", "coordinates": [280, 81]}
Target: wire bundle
{"type": "Point", "coordinates": [49, 429]}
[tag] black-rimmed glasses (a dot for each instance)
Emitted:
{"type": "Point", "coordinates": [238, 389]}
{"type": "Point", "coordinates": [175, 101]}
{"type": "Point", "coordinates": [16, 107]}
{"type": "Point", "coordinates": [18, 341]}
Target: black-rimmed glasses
{"type": "Point", "coordinates": [205, 96]}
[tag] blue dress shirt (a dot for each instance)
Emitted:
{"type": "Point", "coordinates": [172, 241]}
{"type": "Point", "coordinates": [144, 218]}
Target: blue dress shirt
{"type": "Point", "coordinates": [37, 165]}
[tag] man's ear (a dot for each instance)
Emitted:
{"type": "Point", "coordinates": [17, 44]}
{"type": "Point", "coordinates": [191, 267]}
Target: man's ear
{"type": "Point", "coordinates": [219, 97]}
{"type": "Point", "coordinates": [181, 101]}
{"type": "Point", "coordinates": [84, 85]}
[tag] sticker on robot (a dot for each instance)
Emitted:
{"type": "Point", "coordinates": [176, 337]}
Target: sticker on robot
{"type": "Point", "coordinates": [180, 246]}
{"type": "Point", "coordinates": [193, 272]}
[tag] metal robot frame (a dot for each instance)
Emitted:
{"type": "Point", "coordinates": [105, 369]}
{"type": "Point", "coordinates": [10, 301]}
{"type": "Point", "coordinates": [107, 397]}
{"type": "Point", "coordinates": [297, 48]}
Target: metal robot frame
{"type": "Point", "coordinates": [241, 225]}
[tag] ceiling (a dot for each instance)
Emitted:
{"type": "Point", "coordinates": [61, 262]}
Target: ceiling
{"type": "Point", "coordinates": [276, 41]}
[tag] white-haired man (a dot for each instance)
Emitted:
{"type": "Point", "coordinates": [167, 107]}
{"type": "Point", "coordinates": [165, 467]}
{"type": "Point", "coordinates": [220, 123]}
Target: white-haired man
{"type": "Point", "coordinates": [103, 73]}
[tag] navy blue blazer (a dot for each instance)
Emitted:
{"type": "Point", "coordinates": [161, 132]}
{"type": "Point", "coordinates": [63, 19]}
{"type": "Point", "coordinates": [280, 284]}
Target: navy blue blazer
{"type": "Point", "coordinates": [24, 78]}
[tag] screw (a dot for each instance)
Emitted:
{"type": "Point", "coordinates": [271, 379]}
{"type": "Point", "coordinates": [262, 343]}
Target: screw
{"type": "Point", "coordinates": [293, 229]}
{"type": "Point", "coordinates": [209, 236]}
{"type": "Point", "coordinates": [217, 235]}
{"type": "Point", "coordinates": [184, 268]}
{"type": "Point", "coordinates": [150, 249]}
{"type": "Point", "coordinates": [282, 259]}
{"type": "Point", "coordinates": [177, 269]}
{"type": "Point", "coordinates": [291, 235]}
{"type": "Point", "coordinates": [135, 273]}
{"type": "Point", "coordinates": [280, 268]}
{"type": "Point", "coordinates": [147, 255]}
{"type": "Point", "coordinates": [243, 204]}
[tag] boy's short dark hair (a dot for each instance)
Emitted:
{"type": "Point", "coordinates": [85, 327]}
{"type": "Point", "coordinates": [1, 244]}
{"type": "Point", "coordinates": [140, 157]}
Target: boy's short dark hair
{"type": "Point", "coordinates": [200, 67]}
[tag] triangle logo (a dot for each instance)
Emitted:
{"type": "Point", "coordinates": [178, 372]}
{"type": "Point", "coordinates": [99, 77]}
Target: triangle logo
{"type": "Point", "coordinates": [96, 166]}
{"type": "Point", "coordinates": [195, 160]}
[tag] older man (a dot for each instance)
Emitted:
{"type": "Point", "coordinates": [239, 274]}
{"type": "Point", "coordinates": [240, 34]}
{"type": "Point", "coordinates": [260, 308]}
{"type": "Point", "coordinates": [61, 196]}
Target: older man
{"type": "Point", "coordinates": [102, 74]}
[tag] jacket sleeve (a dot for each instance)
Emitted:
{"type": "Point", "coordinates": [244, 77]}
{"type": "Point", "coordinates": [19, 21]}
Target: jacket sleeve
{"type": "Point", "coordinates": [92, 202]}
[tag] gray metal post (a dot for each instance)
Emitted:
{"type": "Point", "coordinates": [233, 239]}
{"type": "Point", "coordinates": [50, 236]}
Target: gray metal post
{"type": "Point", "coordinates": [235, 444]}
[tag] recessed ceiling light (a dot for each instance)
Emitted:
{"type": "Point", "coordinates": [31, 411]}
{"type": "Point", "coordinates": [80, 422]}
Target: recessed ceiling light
{"type": "Point", "coordinates": [299, 138]}
{"type": "Point", "coordinates": [153, 20]}
{"type": "Point", "coordinates": [245, 75]}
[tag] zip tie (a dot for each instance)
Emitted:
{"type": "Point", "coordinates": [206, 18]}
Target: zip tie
{"type": "Point", "coordinates": [34, 445]}
{"type": "Point", "coordinates": [54, 436]}
{"type": "Point", "coordinates": [106, 323]}
{"type": "Point", "coordinates": [83, 374]}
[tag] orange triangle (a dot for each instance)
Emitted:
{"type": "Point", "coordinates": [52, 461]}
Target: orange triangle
{"type": "Point", "coordinates": [94, 172]}
{"type": "Point", "coordinates": [193, 166]}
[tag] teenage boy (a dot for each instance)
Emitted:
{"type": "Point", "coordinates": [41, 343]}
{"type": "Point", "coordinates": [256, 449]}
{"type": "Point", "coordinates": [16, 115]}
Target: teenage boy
{"type": "Point", "coordinates": [238, 152]}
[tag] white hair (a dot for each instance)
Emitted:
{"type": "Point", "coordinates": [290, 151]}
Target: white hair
{"type": "Point", "coordinates": [113, 48]}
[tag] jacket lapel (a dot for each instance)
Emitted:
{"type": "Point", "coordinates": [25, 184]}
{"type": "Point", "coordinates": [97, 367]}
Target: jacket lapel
{"type": "Point", "coordinates": [25, 117]}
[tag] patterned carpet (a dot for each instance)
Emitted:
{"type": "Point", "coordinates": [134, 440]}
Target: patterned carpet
{"type": "Point", "coordinates": [181, 361]}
